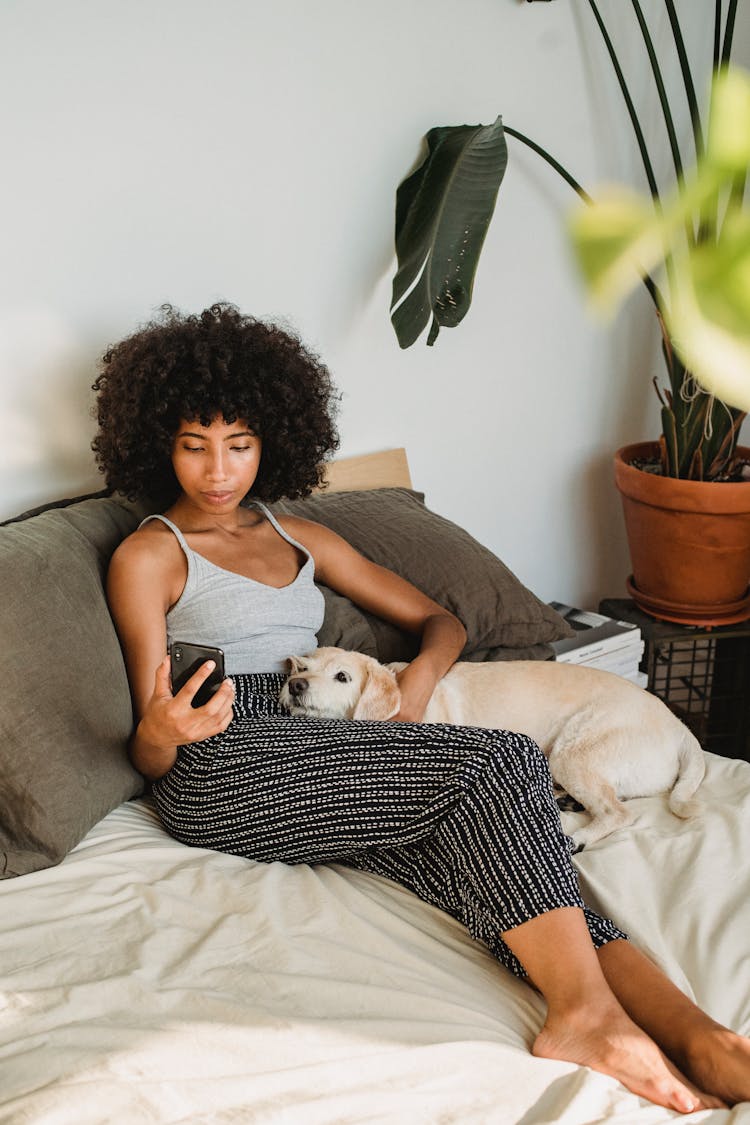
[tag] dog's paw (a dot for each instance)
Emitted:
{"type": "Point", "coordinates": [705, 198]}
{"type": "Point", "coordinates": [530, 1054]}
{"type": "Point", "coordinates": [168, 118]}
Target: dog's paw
{"type": "Point", "coordinates": [566, 803]}
{"type": "Point", "coordinates": [574, 847]}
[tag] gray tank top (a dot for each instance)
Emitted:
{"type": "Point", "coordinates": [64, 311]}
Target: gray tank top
{"type": "Point", "coordinates": [257, 626]}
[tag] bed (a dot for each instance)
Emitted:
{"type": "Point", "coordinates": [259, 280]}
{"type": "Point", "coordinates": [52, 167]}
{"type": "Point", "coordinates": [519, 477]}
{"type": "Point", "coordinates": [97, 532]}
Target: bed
{"type": "Point", "coordinates": [145, 981]}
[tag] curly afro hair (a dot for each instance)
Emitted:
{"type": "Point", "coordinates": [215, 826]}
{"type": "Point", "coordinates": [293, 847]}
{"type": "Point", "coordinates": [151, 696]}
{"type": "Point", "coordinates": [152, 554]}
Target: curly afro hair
{"type": "Point", "coordinates": [215, 364]}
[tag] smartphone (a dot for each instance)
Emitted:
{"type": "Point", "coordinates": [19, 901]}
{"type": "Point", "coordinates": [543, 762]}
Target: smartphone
{"type": "Point", "coordinates": [185, 659]}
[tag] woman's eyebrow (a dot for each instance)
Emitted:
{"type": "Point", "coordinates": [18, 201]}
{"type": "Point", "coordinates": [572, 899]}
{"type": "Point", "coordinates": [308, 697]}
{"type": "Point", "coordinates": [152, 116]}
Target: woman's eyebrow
{"type": "Point", "coordinates": [229, 437]}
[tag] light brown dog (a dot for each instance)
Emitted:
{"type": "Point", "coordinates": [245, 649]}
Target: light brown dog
{"type": "Point", "coordinates": [606, 739]}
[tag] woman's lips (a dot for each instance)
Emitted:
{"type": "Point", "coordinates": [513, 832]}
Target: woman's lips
{"type": "Point", "coordinates": [218, 497]}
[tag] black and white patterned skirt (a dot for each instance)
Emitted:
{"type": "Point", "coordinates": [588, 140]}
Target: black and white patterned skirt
{"type": "Point", "coordinates": [463, 817]}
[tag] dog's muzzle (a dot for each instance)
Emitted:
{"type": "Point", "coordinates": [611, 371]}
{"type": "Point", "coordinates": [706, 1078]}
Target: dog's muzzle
{"type": "Point", "coordinates": [293, 696]}
{"type": "Point", "coordinates": [297, 687]}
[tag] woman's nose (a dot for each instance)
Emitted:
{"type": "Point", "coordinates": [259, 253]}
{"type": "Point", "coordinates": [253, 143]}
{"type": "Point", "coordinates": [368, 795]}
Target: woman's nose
{"type": "Point", "coordinates": [217, 467]}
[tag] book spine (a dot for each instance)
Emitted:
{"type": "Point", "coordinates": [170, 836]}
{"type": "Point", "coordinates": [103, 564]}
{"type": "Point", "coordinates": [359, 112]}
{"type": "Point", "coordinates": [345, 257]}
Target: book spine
{"type": "Point", "coordinates": [585, 652]}
{"type": "Point", "coordinates": [615, 662]}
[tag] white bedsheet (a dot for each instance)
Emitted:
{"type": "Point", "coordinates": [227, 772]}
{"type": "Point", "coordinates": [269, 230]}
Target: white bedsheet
{"type": "Point", "coordinates": [143, 981]}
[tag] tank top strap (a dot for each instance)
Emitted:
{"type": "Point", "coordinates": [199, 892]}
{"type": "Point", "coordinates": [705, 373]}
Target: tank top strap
{"type": "Point", "coordinates": [173, 527]}
{"type": "Point", "coordinates": [190, 553]}
{"type": "Point", "coordinates": [277, 526]}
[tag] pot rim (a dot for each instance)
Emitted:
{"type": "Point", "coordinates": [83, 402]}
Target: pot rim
{"type": "Point", "coordinates": [721, 497]}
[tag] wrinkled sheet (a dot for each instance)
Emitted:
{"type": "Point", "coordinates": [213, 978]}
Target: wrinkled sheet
{"type": "Point", "coordinates": [144, 981]}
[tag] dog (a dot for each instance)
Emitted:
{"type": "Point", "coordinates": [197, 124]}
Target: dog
{"type": "Point", "coordinates": [606, 739]}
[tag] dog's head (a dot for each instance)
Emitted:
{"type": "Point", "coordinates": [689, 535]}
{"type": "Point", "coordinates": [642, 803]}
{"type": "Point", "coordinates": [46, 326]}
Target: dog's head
{"type": "Point", "coordinates": [332, 683]}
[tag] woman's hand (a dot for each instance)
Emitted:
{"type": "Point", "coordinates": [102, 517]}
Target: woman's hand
{"type": "Point", "coordinates": [416, 684]}
{"type": "Point", "coordinates": [170, 721]}
{"type": "Point", "coordinates": [441, 636]}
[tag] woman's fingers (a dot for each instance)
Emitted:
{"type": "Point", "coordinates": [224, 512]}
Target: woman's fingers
{"type": "Point", "coordinates": [213, 716]}
{"type": "Point", "coordinates": [174, 715]}
{"type": "Point", "coordinates": [191, 687]}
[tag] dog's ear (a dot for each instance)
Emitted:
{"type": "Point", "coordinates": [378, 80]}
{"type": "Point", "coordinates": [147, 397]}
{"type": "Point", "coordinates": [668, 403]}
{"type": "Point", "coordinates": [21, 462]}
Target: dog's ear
{"type": "Point", "coordinates": [381, 696]}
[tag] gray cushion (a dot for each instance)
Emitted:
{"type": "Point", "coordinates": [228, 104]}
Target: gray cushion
{"type": "Point", "coordinates": [345, 626]}
{"type": "Point", "coordinates": [392, 526]}
{"type": "Point", "coordinates": [66, 712]}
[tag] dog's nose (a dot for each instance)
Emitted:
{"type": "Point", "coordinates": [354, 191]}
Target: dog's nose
{"type": "Point", "coordinates": [297, 687]}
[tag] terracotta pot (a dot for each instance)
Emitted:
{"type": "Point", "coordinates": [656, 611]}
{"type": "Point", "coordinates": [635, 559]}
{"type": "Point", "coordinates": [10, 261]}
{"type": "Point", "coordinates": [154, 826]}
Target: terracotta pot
{"type": "Point", "coordinates": [689, 542]}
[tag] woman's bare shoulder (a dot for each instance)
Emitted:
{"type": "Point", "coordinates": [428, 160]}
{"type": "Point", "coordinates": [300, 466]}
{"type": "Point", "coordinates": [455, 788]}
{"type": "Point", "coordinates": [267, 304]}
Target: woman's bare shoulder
{"type": "Point", "coordinates": [310, 533]}
{"type": "Point", "coordinates": [152, 545]}
{"type": "Point", "coordinates": [146, 572]}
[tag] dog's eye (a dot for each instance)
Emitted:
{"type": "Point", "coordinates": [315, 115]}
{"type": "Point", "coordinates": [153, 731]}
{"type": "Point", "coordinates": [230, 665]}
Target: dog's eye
{"type": "Point", "coordinates": [342, 677]}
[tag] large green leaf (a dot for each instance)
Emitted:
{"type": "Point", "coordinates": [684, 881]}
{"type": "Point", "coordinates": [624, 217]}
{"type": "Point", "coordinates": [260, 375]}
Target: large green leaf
{"type": "Point", "coordinates": [442, 213]}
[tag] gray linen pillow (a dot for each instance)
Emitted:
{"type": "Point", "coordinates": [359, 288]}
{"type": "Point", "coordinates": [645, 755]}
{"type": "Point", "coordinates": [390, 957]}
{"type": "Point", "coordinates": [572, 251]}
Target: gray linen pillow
{"type": "Point", "coordinates": [344, 626]}
{"type": "Point", "coordinates": [66, 712]}
{"type": "Point", "coordinates": [392, 527]}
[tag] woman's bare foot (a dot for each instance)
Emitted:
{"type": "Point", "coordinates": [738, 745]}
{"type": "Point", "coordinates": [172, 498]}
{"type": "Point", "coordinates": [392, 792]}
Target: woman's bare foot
{"type": "Point", "coordinates": [607, 1040]}
{"type": "Point", "coordinates": [719, 1060]}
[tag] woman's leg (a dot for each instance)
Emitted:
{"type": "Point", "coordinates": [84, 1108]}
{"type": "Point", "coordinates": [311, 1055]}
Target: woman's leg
{"type": "Point", "coordinates": [586, 1023]}
{"type": "Point", "coordinates": [498, 861]}
{"type": "Point", "coordinates": [714, 1057]}
{"type": "Point", "coordinates": [463, 817]}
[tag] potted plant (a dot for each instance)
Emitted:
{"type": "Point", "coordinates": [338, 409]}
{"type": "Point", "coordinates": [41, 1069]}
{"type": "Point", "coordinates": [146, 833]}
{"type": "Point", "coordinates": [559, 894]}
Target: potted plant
{"type": "Point", "coordinates": [701, 235]}
{"type": "Point", "coordinates": [689, 533]}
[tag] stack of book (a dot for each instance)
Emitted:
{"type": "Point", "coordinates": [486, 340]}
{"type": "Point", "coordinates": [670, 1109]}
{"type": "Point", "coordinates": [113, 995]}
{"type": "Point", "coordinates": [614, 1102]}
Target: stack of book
{"type": "Point", "coordinates": [601, 642]}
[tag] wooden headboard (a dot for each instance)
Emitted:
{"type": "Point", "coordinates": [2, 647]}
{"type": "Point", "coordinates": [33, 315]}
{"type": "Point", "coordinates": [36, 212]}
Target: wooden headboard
{"type": "Point", "coordinates": [388, 469]}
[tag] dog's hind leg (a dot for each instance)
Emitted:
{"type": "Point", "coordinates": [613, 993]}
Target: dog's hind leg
{"type": "Point", "coordinates": [607, 815]}
{"type": "Point", "coordinates": [691, 772]}
{"type": "Point", "coordinates": [597, 796]}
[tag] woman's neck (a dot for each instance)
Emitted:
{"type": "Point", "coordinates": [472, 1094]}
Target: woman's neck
{"type": "Point", "coordinates": [188, 516]}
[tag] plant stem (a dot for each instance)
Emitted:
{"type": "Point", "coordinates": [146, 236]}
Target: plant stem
{"type": "Point", "coordinates": [551, 161]}
{"type": "Point", "coordinates": [687, 76]}
{"type": "Point", "coordinates": [648, 281]}
{"type": "Point", "coordinates": [737, 191]}
{"type": "Point", "coordinates": [663, 101]}
{"type": "Point", "coordinates": [667, 113]}
{"type": "Point", "coordinates": [648, 167]}
{"type": "Point", "coordinates": [738, 187]}
{"type": "Point", "coordinates": [726, 49]}
{"type": "Point", "coordinates": [717, 34]}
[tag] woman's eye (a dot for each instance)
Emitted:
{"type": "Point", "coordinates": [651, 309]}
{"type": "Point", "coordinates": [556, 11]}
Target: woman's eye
{"type": "Point", "coordinates": [342, 677]}
{"type": "Point", "coordinates": [240, 448]}
{"type": "Point", "coordinates": [193, 448]}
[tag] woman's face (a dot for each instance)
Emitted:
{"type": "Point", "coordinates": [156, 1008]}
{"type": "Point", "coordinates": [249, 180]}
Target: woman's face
{"type": "Point", "coordinates": [216, 465]}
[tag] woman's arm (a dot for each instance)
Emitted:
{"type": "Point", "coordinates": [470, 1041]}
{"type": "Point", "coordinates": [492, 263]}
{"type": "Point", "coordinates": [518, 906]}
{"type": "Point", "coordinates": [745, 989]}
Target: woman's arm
{"type": "Point", "coordinates": [380, 591]}
{"type": "Point", "coordinates": [139, 592]}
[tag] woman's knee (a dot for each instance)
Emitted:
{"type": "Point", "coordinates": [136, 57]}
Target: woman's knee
{"type": "Point", "coordinates": [520, 754]}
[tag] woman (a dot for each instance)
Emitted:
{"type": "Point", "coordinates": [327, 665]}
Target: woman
{"type": "Point", "coordinates": [196, 414]}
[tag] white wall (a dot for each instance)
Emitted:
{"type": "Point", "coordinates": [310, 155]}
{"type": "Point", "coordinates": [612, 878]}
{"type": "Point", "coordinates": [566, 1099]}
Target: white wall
{"type": "Point", "coordinates": [184, 151]}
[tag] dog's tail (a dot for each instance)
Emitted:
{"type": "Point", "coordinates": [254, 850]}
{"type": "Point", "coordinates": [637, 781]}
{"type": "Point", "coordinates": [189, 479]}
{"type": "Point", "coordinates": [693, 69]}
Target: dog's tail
{"type": "Point", "coordinates": [690, 773]}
